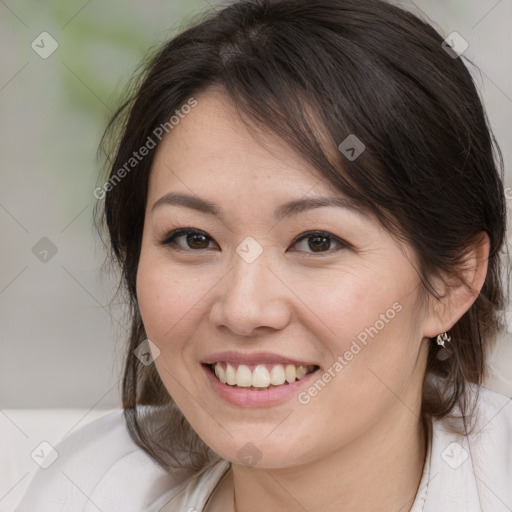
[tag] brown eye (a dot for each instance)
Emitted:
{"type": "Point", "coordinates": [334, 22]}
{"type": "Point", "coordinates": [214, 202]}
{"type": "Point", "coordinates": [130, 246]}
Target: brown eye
{"type": "Point", "coordinates": [318, 242]}
{"type": "Point", "coordinates": [193, 239]}
{"type": "Point", "coordinates": [196, 241]}
{"type": "Point", "coordinates": [188, 239]}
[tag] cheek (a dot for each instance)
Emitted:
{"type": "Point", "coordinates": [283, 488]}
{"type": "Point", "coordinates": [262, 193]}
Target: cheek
{"type": "Point", "coordinates": [169, 299]}
{"type": "Point", "coordinates": [369, 324]}
{"type": "Point", "coordinates": [168, 304]}
{"type": "Point", "coordinates": [346, 305]}
{"type": "Point", "coordinates": [379, 356]}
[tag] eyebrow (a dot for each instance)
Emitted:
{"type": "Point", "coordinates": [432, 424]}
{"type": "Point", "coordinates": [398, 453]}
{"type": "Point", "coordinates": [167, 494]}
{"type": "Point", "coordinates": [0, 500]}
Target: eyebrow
{"type": "Point", "coordinates": [285, 210]}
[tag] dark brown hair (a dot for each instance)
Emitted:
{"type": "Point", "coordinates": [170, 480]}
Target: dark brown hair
{"type": "Point", "coordinates": [431, 171]}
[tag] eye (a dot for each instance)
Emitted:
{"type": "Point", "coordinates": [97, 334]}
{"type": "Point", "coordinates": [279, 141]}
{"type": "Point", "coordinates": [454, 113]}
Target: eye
{"type": "Point", "coordinates": [192, 238]}
{"type": "Point", "coordinates": [195, 240]}
{"type": "Point", "coordinates": [319, 241]}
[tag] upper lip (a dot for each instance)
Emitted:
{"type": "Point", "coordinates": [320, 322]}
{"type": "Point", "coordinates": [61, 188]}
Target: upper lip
{"type": "Point", "coordinates": [254, 358]}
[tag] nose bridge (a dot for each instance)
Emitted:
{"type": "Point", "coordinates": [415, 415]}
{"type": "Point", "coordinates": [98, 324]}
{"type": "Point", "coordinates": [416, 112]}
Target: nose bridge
{"type": "Point", "coordinates": [251, 296]}
{"type": "Point", "coordinates": [248, 278]}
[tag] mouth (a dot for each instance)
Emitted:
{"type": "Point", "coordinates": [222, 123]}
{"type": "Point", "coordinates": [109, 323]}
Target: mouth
{"type": "Point", "coordinates": [258, 376]}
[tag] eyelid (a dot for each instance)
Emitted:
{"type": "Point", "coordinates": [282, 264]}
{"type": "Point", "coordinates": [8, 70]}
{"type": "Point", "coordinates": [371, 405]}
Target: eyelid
{"type": "Point", "coordinates": [176, 233]}
{"type": "Point", "coordinates": [310, 234]}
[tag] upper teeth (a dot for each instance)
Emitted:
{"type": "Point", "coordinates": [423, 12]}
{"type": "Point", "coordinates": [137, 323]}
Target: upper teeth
{"type": "Point", "coordinates": [260, 377]}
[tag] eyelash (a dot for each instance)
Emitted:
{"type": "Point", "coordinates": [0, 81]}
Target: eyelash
{"type": "Point", "coordinates": [170, 240]}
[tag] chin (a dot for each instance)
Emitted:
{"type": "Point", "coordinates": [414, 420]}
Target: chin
{"type": "Point", "coordinates": [260, 454]}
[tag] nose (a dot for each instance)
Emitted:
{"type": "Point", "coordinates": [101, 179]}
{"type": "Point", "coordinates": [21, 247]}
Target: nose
{"type": "Point", "coordinates": [251, 299]}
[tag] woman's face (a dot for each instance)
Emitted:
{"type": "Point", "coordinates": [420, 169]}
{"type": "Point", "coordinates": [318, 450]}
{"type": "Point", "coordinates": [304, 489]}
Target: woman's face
{"type": "Point", "coordinates": [250, 287]}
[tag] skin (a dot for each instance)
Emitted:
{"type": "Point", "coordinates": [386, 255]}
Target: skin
{"type": "Point", "coordinates": [359, 444]}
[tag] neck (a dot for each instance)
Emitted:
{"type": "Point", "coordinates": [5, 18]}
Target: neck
{"type": "Point", "coordinates": [380, 470]}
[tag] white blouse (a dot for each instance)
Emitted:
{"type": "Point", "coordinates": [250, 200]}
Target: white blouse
{"type": "Point", "coordinates": [100, 469]}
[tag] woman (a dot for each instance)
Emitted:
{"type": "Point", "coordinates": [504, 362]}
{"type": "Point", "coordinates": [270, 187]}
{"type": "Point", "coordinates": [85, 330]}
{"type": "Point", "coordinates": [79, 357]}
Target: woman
{"type": "Point", "coordinates": [306, 209]}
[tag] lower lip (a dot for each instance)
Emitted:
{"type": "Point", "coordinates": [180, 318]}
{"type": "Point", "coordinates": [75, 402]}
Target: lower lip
{"type": "Point", "coordinates": [256, 398]}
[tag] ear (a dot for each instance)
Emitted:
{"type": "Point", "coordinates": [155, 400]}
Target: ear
{"type": "Point", "coordinates": [455, 296]}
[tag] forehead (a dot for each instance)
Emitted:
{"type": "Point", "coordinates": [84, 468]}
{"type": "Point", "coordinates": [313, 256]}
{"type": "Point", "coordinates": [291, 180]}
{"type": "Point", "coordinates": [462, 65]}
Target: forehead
{"type": "Point", "coordinates": [214, 147]}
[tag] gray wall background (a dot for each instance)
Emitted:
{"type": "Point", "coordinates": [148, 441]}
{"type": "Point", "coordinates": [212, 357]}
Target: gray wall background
{"type": "Point", "coordinates": [61, 343]}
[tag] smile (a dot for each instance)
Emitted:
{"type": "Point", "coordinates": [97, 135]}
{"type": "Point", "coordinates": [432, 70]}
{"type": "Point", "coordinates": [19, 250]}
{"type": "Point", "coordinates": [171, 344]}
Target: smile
{"type": "Point", "coordinates": [260, 376]}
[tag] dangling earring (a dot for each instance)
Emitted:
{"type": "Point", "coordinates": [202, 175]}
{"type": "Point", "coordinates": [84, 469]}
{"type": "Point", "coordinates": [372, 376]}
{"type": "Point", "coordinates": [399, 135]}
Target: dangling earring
{"type": "Point", "coordinates": [441, 339]}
